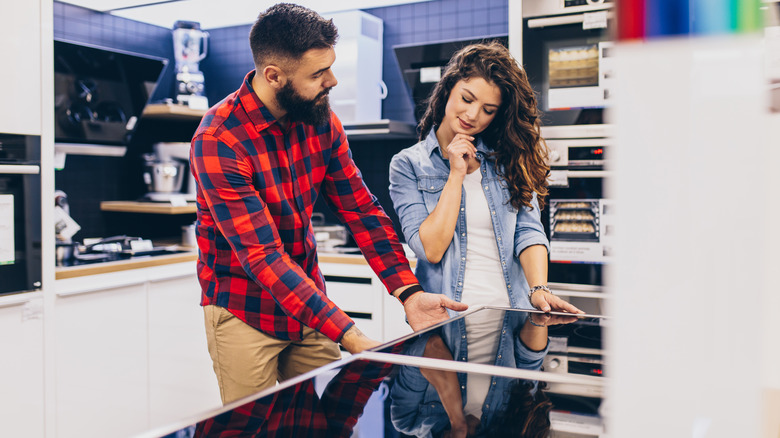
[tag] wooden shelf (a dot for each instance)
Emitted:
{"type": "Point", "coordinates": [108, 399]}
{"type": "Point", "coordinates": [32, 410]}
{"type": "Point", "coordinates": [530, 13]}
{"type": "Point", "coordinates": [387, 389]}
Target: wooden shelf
{"type": "Point", "coordinates": [171, 111]}
{"type": "Point", "coordinates": [147, 207]}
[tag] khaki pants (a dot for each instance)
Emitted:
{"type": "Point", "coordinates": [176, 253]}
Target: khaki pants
{"type": "Point", "coordinates": [247, 360]}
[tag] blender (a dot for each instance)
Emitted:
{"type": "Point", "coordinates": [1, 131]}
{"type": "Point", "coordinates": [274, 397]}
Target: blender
{"type": "Point", "coordinates": [190, 46]}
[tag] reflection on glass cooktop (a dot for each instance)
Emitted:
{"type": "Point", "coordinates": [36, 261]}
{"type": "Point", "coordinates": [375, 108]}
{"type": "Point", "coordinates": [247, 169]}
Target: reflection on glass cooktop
{"type": "Point", "coordinates": [488, 372]}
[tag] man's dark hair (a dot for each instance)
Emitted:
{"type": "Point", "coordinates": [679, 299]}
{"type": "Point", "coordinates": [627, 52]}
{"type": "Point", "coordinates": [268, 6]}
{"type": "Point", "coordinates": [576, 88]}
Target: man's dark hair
{"type": "Point", "coordinates": [286, 31]}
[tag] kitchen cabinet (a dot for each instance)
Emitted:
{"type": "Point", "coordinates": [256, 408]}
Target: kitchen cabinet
{"type": "Point", "coordinates": [181, 377]}
{"type": "Point", "coordinates": [354, 287]}
{"type": "Point", "coordinates": [130, 351]}
{"type": "Point", "coordinates": [21, 365]}
{"type": "Point", "coordinates": [101, 355]}
{"type": "Point", "coordinates": [21, 88]}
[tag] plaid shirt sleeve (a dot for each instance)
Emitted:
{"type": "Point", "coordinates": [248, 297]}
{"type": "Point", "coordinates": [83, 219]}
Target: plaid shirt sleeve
{"type": "Point", "coordinates": [225, 175]}
{"type": "Point", "coordinates": [350, 200]}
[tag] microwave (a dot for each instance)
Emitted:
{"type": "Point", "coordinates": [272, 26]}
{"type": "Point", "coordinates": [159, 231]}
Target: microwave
{"type": "Point", "coordinates": [567, 48]}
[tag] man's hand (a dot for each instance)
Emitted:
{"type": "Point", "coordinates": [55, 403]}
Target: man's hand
{"type": "Point", "coordinates": [355, 341]}
{"type": "Point", "coordinates": [547, 302]}
{"type": "Point", "coordinates": [426, 309]}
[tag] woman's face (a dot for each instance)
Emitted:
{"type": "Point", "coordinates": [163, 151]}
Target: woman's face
{"type": "Point", "coordinates": [472, 105]}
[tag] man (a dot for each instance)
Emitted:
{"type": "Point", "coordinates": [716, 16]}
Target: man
{"type": "Point", "coordinates": [261, 157]}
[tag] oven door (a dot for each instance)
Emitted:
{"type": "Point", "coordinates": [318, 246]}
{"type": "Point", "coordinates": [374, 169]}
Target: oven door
{"type": "Point", "coordinates": [20, 228]}
{"type": "Point", "coordinates": [567, 61]}
{"type": "Point", "coordinates": [578, 217]}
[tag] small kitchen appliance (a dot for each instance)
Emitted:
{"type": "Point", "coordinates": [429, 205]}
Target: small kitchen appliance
{"type": "Point", "coordinates": [190, 46]}
{"type": "Point", "coordinates": [164, 174]}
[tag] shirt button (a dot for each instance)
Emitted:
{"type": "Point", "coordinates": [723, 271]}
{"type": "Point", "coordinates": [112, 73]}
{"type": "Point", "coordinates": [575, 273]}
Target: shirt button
{"type": "Point", "coordinates": [462, 234]}
{"type": "Point", "coordinates": [509, 286]}
{"type": "Point", "coordinates": [463, 337]}
{"type": "Point", "coordinates": [499, 238]}
{"type": "Point", "coordinates": [502, 331]}
{"type": "Point", "coordinates": [431, 187]}
{"type": "Point", "coordinates": [487, 406]}
{"type": "Point", "coordinates": [461, 209]}
{"type": "Point", "coordinates": [463, 258]}
{"type": "Point", "coordinates": [459, 283]}
{"type": "Point", "coordinates": [486, 187]}
{"type": "Point", "coordinates": [493, 212]}
{"type": "Point", "coordinates": [499, 356]}
{"type": "Point", "coordinates": [462, 386]}
{"type": "Point", "coordinates": [494, 383]}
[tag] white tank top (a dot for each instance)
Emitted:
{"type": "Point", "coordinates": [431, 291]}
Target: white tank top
{"type": "Point", "coordinates": [483, 284]}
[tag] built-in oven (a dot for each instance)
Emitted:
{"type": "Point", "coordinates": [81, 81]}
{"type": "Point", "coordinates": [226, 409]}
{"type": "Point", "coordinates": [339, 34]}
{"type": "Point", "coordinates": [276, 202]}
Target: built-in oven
{"type": "Point", "coordinates": [20, 213]}
{"type": "Point", "coordinates": [566, 54]}
{"type": "Point", "coordinates": [578, 216]}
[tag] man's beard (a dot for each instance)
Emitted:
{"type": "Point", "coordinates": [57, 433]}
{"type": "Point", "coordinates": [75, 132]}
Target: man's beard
{"type": "Point", "coordinates": [313, 112]}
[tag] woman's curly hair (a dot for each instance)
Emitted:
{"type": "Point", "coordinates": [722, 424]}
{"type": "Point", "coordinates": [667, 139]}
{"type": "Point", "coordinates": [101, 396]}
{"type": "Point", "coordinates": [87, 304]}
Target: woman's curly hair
{"type": "Point", "coordinates": [514, 135]}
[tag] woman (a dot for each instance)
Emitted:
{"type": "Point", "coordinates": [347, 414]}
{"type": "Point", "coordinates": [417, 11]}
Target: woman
{"type": "Point", "coordinates": [468, 197]}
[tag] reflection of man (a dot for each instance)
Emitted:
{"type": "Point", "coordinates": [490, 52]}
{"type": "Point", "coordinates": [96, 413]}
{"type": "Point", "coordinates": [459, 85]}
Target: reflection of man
{"type": "Point", "coordinates": [261, 157]}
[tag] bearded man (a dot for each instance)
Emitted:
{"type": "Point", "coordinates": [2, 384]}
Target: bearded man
{"type": "Point", "coordinates": [261, 158]}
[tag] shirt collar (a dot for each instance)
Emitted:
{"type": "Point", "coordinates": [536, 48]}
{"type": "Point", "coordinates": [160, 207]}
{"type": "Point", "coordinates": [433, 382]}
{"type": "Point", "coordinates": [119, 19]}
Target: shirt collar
{"type": "Point", "coordinates": [255, 109]}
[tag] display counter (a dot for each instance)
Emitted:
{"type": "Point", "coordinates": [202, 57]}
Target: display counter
{"type": "Point", "coordinates": [418, 383]}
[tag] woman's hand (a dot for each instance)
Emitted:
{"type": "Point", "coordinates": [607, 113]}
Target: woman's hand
{"type": "Point", "coordinates": [460, 152]}
{"type": "Point", "coordinates": [548, 302]}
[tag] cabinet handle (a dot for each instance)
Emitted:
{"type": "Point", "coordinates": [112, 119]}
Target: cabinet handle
{"type": "Point", "coordinates": [99, 288]}
{"type": "Point", "coordinates": [341, 279]}
{"type": "Point", "coordinates": [16, 301]}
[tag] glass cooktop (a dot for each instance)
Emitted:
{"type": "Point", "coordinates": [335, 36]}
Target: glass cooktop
{"type": "Point", "coordinates": [487, 372]}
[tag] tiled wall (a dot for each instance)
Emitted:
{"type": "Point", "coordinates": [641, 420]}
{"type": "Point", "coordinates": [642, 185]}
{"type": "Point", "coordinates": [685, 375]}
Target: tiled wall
{"type": "Point", "coordinates": [229, 59]}
{"type": "Point", "coordinates": [437, 20]}
{"type": "Point", "coordinates": [88, 180]}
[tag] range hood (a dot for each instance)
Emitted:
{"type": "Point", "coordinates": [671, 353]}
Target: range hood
{"type": "Point", "coordinates": [99, 95]}
{"type": "Point", "coordinates": [422, 65]}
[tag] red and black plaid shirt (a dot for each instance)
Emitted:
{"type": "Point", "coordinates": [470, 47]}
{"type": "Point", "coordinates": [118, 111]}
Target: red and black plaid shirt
{"type": "Point", "coordinates": [257, 184]}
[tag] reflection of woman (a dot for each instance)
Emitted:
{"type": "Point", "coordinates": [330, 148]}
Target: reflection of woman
{"type": "Point", "coordinates": [468, 194]}
{"type": "Point", "coordinates": [428, 402]}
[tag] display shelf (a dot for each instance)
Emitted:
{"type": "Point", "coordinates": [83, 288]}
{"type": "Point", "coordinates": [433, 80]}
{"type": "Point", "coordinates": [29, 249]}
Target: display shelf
{"type": "Point", "coordinates": [147, 207]}
{"type": "Point", "coordinates": [171, 111]}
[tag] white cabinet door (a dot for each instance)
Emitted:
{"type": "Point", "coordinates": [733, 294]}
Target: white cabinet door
{"type": "Point", "coordinates": [101, 362]}
{"type": "Point", "coordinates": [20, 76]}
{"type": "Point", "coordinates": [357, 291]}
{"type": "Point", "coordinates": [182, 380]}
{"type": "Point", "coordinates": [21, 365]}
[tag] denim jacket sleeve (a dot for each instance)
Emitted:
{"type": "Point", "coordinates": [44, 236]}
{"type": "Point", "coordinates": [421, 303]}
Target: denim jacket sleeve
{"type": "Point", "coordinates": [529, 230]}
{"type": "Point", "coordinates": [408, 202]}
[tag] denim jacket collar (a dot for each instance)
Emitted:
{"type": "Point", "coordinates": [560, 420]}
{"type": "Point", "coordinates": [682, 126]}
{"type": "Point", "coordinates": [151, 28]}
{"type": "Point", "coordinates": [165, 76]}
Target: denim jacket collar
{"type": "Point", "coordinates": [432, 144]}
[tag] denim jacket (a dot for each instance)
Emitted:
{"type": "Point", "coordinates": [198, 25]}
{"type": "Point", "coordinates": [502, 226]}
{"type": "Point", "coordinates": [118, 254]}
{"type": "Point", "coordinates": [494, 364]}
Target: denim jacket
{"type": "Point", "coordinates": [415, 407]}
{"type": "Point", "coordinates": [417, 177]}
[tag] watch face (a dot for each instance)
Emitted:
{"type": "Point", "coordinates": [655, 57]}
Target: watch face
{"type": "Point", "coordinates": [486, 355]}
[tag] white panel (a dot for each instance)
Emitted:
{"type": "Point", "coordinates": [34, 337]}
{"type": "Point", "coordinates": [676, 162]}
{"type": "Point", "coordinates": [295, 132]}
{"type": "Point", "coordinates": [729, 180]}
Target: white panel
{"type": "Point", "coordinates": [687, 282]}
{"type": "Point", "coordinates": [21, 365]}
{"type": "Point", "coordinates": [101, 359]}
{"type": "Point", "coordinates": [182, 380]}
{"type": "Point", "coordinates": [20, 75]}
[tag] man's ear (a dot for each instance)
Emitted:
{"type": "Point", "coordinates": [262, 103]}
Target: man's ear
{"type": "Point", "coordinates": [274, 76]}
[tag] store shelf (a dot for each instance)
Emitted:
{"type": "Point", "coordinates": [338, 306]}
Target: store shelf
{"type": "Point", "coordinates": [147, 207]}
{"type": "Point", "coordinates": [171, 111]}
{"type": "Point", "coordinates": [380, 130]}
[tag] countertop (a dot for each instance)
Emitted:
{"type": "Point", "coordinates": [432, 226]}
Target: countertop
{"type": "Point", "coordinates": [63, 272]}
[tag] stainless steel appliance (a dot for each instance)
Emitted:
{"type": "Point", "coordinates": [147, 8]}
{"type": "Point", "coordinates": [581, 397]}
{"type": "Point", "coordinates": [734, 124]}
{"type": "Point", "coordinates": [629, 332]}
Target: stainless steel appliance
{"type": "Point", "coordinates": [20, 213]}
{"type": "Point", "coordinates": [164, 174]}
{"type": "Point", "coordinates": [190, 46]}
{"type": "Point", "coordinates": [579, 216]}
{"type": "Point", "coordinates": [566, 53]}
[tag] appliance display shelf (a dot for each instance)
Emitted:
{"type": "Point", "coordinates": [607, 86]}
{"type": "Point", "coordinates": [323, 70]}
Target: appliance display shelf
{"type": "Point", "coordinates": [172, 111]}
{"type": "Point", "coordinates": [147, 207]}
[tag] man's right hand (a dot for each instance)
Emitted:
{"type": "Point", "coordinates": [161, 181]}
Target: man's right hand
{"type": "Point", "coordinates": [355, 341]}
{"type": "Point", "coordinates": [426, 309]}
